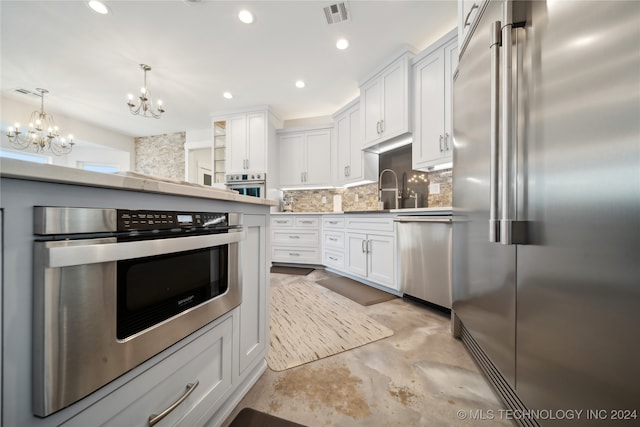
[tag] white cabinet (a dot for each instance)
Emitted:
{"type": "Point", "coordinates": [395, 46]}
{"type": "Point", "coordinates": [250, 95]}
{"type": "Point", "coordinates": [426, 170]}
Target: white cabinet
{"type": "Point", "coordinates": [353, 164]}
{"type": "Point", "coordinates": [201, 371]}
{"type": "Point", "coordinates": [432, 130]}
{"type": "Point", "coordinates": [295, 239]}
{"type": "Point", "coordinates": [247, 142]}
{"type": "Point", "coordinates": [468, 11]}
{"type": "Point", "coordinates": [254, 325]}
{"type": "Point", "coordinates": [384, 102]}
{"type": "Point", "coordinates": [333, 242]}
{"type": "Point", "coordinates": [371, 250]}
{"type": "Point", "coordinates": [305, 157]}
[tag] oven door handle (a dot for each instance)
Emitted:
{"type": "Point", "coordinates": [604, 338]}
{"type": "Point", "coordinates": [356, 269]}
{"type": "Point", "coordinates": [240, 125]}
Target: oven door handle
{"type": "Point", "coordinates": [95, 251]}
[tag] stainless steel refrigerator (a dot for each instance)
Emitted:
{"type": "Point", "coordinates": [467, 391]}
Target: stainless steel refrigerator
{"type": "Point", "coordinates": [546, 198]}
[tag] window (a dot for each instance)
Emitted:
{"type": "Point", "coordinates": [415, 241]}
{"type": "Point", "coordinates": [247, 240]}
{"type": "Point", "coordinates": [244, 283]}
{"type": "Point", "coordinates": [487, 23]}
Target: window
{"type": "Point", "coordinates": [99, 167]}
{"type": "Point", "coordinates": [26, 156]}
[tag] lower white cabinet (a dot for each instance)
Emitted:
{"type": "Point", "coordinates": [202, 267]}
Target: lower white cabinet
{"type": "Point", "coordinates": [253, 310]}
{"type": "Point", "coordinates": [372, 257]}
{"type": "Point", "coordinates": [371, 248]}
{"type": "Point", "coordinates": [201, 371]}
{"type": "Point", "coordinates": [333, 242]}
{"type": "Point", "coordinates": [295, 239]}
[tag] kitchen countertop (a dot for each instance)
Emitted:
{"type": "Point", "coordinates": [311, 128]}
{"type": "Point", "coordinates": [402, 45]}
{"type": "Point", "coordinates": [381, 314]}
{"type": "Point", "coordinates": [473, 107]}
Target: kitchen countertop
{"type": "Point", "coordinates": [445, 210]}
{"type": "Point", "coordinates": [11, 168]}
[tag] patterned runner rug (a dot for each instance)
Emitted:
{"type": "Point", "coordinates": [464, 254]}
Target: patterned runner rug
{"type": "Point", "coordinates": [309, 322]}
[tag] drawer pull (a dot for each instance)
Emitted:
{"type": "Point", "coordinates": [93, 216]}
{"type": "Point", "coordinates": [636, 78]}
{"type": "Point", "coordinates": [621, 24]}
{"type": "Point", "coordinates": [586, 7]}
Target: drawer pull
{"type": "Point", "coordinates": [306, 222]}
{"type": "Point", "coordinates": [333, 239]}
{"type": "Point", "coordinates": [155, 418]}
{"type": "Point", "coordinates": [294, 254]}
{"type": "Point", "coordinates": [333, 259]}
{"type": "Point", "coordinates": [281, 222]}
{"type": "Point", "coordinates": [333, 222]}
{"type": "Point", "coordinates": [294, 237]}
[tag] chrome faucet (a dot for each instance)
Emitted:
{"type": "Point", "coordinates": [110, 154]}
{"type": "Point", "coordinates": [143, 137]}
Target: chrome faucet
{"type": "Point", "coordinates": [380, 189]}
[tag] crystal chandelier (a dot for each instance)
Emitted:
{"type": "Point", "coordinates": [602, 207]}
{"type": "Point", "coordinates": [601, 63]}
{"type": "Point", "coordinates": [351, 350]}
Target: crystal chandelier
{"type": "Point", "coordinates": [145, 107]}
{"type": "Point", "coordinates": [43, 134]}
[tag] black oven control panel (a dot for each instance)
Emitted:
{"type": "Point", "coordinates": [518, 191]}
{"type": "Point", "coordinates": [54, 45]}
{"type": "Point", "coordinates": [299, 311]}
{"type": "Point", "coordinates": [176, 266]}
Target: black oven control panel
{"type": "Point", "coordinates": [143, 220]}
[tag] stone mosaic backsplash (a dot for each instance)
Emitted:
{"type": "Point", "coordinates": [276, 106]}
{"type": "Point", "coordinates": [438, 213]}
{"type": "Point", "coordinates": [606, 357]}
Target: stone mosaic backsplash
{"type": "Point", "coordinates": [161, 155]}
{"type": "Point", "coordinates": [365, 197]}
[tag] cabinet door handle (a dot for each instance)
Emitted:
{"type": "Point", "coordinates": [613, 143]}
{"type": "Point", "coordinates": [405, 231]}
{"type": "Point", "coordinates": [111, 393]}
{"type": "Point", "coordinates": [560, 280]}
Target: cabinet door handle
{"type": "Point", "coordinates": [378, 127]}
{"type": "Point", "coordinates": [446, 141]}
{"type": "Point", "coordinates": [364, 251]}
{"type": "Point", "coordinates": [381, 126]}
{"type": "Point", "coordinates": [368, 246]}
{"type": "Point", "coordinates": [466, 20]}
{"type": "Point", "coordinates": [155, 418]}
{"type": "Point", "coordinates": [441, 147]}
{"type": "Point", "coordinates": [349, 170]}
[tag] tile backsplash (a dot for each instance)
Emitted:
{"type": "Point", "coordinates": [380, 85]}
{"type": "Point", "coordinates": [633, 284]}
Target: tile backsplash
{"type": "Point", "coordinates": [365, 197]}
{"type": "Point", "coordinates": [416, 189]}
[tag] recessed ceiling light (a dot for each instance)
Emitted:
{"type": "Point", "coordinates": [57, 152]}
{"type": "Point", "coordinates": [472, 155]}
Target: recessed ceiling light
{"type": "Point", "coordinates": [342, 44]}
{"type": "Point", "coordinates": [300, 84]}
{"type": "Point", "coordinates": [99, 7]}
{"type": "Point", "coordinates": [245, 16]}
{"type": "Point", "coordinates": [227, 95]}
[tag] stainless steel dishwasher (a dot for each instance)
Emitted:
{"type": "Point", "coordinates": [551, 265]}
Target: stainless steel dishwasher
{"type": "Point", "coordinates": [425, 258]}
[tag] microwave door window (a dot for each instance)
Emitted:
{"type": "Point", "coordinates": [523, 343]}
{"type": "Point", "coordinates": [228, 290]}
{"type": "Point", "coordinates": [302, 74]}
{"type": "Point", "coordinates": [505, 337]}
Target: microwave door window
{"type": "Point", "coordinates": [153, 289]}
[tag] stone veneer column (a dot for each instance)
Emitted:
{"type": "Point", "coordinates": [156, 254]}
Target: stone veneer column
{"type": "Point", "coordinates": [161, 155]}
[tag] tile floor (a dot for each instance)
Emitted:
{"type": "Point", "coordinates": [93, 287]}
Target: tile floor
{"type": "Point", "coordinates": [420, 376]}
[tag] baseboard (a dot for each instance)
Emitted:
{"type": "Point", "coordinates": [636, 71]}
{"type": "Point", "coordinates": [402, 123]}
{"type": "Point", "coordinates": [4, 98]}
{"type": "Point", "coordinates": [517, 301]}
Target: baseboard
{"type": "Point", "coordinates": [234, 399]}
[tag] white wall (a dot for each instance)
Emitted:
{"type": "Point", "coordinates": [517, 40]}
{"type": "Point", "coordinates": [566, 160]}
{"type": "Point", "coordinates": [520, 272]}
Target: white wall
{"type": "Point", "coordinates": [94, 144]}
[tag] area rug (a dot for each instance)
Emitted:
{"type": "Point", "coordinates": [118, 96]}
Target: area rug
{"type": "Point", "coordinates": [301, 271]}
{"type": "Point", "coordinates": [249, 417]}
{"type": "Point", "coordinates": [356, 291]}
{"type": "Point", "coordinates": [309, 322]}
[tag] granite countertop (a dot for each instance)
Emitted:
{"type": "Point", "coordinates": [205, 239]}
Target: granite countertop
{"type": "Point", "coordinates": [445, 210]}
{"type": "Point", "coordinates": [132, 181]}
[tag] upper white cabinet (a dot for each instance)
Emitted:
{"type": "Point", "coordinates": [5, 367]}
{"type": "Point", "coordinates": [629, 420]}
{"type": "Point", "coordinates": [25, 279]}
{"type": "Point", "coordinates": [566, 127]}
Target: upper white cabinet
{"type": "Point", "coordinates": [432, 127]}
{"type": "Point", "coordinates": [384, 102]}
{"type": "Point", "coordinates": [247, 140]}
{"type": "Point", "coordinates": [305, 157]}
{"type": "Point", "coordinates": [353, 164]}
{"type": "Point", "coordinates": [467, 13]}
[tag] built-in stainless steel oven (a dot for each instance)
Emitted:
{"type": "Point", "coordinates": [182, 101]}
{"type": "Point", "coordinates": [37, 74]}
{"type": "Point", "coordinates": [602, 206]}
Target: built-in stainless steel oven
{"type": "Point", "coordinates": [114, 287]}
{"type": "Point", "coordinates": [248, 184]}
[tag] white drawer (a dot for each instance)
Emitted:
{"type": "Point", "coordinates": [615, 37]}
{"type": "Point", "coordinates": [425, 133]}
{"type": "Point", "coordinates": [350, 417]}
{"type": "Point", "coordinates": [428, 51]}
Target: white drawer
{"type": "Point", "coordinates": [295, 255]}
{"type": "Point", "coordinates": [333, 259]}
{"type": "Point", "coordinates": [333, 239]}
{"type": "Point", "coordinates": [295, 237]}
{"type": "Point", "coordinates": [373, 223]}
{"type": "Point", "coordinates": [333, 222]}
{"type": "Point", "coordinates": [206, 360]}
{"type": "Point", "coordinates": [307, 221]}
{"type": "Point", "coordinates": [281, 221]}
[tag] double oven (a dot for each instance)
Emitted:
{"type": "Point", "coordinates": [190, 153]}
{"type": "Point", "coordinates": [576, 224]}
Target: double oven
{"type": "Point", "coordinates": [114, 287]}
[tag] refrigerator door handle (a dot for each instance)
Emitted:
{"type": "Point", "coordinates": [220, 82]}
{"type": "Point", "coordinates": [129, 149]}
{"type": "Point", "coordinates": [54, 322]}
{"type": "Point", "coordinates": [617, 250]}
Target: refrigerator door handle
{"type": "Point", "coordinates": [494, 176]}
{"type": "Point", "coordinates": [507, 199]}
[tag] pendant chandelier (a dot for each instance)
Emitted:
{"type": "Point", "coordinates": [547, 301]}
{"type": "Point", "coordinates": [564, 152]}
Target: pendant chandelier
{"type": "Point", "coordinates": [42, 135]}
{"type": "Point", "coordinates": [145, 107]}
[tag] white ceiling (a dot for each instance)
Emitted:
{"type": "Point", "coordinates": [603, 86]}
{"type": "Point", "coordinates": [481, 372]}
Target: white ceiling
{"type": "Point", "coordinates": [198, 50]}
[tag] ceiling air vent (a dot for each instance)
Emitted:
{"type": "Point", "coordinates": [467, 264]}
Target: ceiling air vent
{"type": "Point", "coordinates": [28, 92]}
{"type": "Point", "coordinates": [336, 13]}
